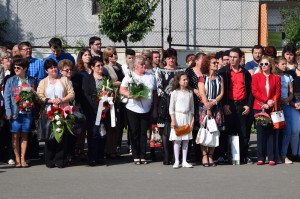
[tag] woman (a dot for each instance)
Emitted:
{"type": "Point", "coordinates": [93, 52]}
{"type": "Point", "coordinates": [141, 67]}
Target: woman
{"type": "Point", "coordinates": [194, 73]}
{"type": "Point", "coordinates": [266, 88]}
{"type": "Point", "coordinates": [60, 92]}
{"type": "Point", "coordinates": [83, 68]}
{"type": "Point", "coordinates": [290, 113]}
{"type": "Point", "coordinates": [20, 121]}
{"type": "Point", "coordinates": [147, 54]}
{"type": "Point", "coordinates": [164, 78]}
{"type": "Point", "coordinates": [91, 85]}
{"type": "Point", "coordinates": [114, 69]}
{"type": "Point", "coordinates": [289, 53]}
{"type": "Point", "coordinates": [211, 89]}
{"type": "Point", "coordinates": [138, 110]}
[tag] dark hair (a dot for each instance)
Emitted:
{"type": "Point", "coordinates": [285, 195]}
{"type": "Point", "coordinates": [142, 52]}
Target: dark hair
{"type": "Point", "coordinates": [93, 39]}
{"type": "Point", "coordinates": [129, 52]}
{"type": "Point", "coordinates": [55, 43]}
{"type": "Point", "coordinates": [219, 54]}
{"type": "Point", "coordinates": [226, 53]}
{"type": "Point", "coordinates": [289, 48]}
{"type": "Point", "coordinates": [188, 56]}
{"type": "Point", "coordinates": [176, 79]}
{"type": "Point", "coordinates": [258, 47]}
{"type": "Point", "coordinates": [197, 57]}
{"type": "Point", "coordinates": [155, 52]}
{"type": "Point", "coordinates": [24, 43]}
{"type": "Point", "coordinates": [236, 50]}
{"type": "Point", "coordinates": [276, 70]}
{"type": "Point", "coordinates": [170, 52]}
{"type": "Point", "coordinates": [49, 63]}
{"type": "Point", "coordinates": [206, 63]}
{"type": "Point", "coordinates": [270, 51]}
{"type": "Point", "coordinates": [79, 62]}
{"type": "Point", "coordinates": [96, 59]}
{"type": "Point", "coordinates": [19, 61]}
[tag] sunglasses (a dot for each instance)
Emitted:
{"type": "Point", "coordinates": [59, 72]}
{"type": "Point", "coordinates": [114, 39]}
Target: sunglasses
{"type": "Point", "coordinates": [113, 54]}
{"type": "Point", "coordinates": [68, 70]}
{"type": "Point", "coordinates": [18, 68]}
{"type": "Point", "coordinates": [215, 63]}
{"type": "Point", "coordinates": [264, 64]}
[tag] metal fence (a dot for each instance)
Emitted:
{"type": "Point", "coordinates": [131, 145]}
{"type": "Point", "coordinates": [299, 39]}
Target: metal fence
{"type": "Point", "coordinates": [191, 24]}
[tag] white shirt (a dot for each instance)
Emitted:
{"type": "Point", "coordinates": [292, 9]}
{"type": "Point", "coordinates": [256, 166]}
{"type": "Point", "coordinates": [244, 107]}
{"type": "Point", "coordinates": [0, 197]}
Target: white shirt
{"type": "Point", "coordinates": [141, 105]}
{"type": "Point", "coordinates": [125, 69]}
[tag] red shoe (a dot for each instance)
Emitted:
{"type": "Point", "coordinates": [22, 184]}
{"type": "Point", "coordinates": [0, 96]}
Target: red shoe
{"type": "Point", "coordinates": [260, 162]}
{"type": "Point", "coordinates": [272, 163]}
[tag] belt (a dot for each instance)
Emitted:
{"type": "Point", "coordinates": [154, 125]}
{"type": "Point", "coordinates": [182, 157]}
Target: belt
{"type": "Point", "coordinates": [238, 102]}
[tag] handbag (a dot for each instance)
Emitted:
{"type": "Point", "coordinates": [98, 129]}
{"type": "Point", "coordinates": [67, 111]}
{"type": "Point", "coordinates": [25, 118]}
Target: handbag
{"type": "Point", "coordinates": [278, 119]}
{"type": "Point", "coordinates": [206, 138]}
{"type": "Point", "coordinates": [212, 125]}
{"type": "Point", "coordinates": [43, 123]}
{"type": "Point", "coordinates": [183, 130]}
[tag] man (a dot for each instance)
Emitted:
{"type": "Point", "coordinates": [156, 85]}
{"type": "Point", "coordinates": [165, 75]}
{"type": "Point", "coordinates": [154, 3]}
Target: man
{"type": "Point", "coordinates": [237, 101]}
{"type": "Point", "coordinates": [35, 65]}
{"type": "Point", "coordinates": [219, 57]}
{"type": "Point", "coordinates": [95, 46]}
{"type": "Point", "coordinates": [129, 56]}
{"type": "Point", "coordinates": [15, 50]}
{"type": "Point", "coordinates": [57, 54]}
{"type": "Point", "coordinates": [225, 58]}
{"type": "Point", "coordinates": [155, 60]}
{"type": "Point", "coordinates": [257, 53]}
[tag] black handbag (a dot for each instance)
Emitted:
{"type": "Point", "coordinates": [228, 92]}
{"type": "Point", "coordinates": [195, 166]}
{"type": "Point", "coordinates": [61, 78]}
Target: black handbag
{"type": "Point", "coordinates": [43, 123]}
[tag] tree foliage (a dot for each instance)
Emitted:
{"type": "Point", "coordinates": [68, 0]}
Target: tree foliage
{"type": "Point", "coordinates": [126, 20]}
{"type": "Point", "coordinates": [291, 24]}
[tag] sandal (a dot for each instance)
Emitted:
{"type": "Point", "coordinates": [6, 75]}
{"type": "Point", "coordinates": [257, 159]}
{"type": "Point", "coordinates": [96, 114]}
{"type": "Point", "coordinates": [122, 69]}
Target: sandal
{"type": "Point", "coordinates": [211, 163]}
{"type": "Point", "coordinates": [18, 165]}
{"type": "Point", "coordinates": [24, 165]}
{"type": "Point", "coordinates": [205, 164]}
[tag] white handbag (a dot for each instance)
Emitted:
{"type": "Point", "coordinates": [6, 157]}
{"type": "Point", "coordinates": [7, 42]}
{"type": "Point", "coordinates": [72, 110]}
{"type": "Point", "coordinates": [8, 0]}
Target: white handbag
{"type": "Point", "coordinates": [206, 138]}
{"type": "Point", "coordinates": [212, 125]}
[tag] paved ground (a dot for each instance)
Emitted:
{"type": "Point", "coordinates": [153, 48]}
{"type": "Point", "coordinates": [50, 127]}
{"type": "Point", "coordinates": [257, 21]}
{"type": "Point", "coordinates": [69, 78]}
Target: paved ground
{"type": "Point", "coordinates": [122, 179]}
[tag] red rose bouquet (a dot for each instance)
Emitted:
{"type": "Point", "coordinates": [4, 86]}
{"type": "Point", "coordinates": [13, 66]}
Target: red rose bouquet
{"type": "Point", "coordinates": [25, 97]}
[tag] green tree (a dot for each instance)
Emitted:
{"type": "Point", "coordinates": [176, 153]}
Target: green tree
{"type": "Point", "coordinates": [126, 20]}
{"type": "Point", "coordinates": [291, 24]}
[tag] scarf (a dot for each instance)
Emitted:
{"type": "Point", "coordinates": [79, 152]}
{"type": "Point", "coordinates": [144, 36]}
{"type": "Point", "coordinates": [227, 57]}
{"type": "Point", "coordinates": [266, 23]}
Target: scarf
{"type": "Point", "coordinates": [111, 71]}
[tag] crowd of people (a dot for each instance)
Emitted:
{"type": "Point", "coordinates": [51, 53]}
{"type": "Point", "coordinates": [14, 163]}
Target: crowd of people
{"type": "Point", "coordinates": [218, 85]}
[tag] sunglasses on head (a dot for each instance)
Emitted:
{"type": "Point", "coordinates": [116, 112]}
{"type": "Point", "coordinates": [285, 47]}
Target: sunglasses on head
{"type": "Point", "coordinates": [264, 64]}
{"type": "Point", "coordinates": [113, 54]}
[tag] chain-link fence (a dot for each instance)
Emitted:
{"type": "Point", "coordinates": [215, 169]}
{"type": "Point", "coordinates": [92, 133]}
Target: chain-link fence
{"type": "Point", "coordinates": [194, 24]}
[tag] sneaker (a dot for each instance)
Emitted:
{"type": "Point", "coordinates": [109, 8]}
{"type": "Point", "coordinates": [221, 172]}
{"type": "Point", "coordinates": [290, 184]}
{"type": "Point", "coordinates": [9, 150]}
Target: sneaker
{"type": "Point", "coordinates": [287, 161]}
{"type": "Point", "coordinates": [11, 162]}
{"type": "Point", "coordinates": [248, 161]}
{"type": "Point", "coordinates": [186, 165]}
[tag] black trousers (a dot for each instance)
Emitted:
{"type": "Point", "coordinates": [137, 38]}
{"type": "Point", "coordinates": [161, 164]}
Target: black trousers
{"type": "Point", "coordinates": [236, 124]}
{"type": "Point", "coordinates": [56, 153]}
{"type": "Point", "coordinates": [138, 124]}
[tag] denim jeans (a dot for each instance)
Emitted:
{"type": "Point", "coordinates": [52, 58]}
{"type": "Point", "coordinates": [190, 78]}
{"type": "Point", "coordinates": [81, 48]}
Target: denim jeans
{"type": "Point", "coordinates": [291, 131]}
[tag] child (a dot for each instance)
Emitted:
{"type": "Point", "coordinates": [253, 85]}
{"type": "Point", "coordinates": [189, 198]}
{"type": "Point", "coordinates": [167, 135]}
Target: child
{"type": "Point", "coordinates": [181, 110]}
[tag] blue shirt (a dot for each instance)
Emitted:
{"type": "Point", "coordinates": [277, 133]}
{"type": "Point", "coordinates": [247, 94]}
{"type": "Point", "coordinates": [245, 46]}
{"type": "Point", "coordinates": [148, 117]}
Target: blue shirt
{"type": "Point", "coordinates": [62, 56]}
{"type": "Point", "coordinates": [35, 66]}
{"type": "Point", "coordinates": [251, 65]}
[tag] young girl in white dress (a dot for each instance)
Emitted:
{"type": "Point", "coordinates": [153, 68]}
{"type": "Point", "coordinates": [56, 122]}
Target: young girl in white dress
{"type": "Point", "coordinates": [181, 110]}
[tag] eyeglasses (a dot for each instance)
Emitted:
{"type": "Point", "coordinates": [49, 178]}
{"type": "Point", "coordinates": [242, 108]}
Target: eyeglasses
{"type": "Point", "coordinates": [113, 54]}
{"type": "Point", "coordinates": [99, 65]}
{"type": "Point", "coordinates": [68, 70]}
{"type": "Point", "coordinates": [26, 49]}
{"type": "Point", "coordinates": [18, 68]}
{"type": "Point", "coordinates": [264, 64]}
{"type": "Point", "coordinates": [215, 63]}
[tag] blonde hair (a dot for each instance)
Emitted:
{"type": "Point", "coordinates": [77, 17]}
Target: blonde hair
{"type": "Point", "coordinates": [271, 62]}
{"type": "Point", "coordinates": [107, 52]}
{"type": "Point", "coordinates": [64, 63]}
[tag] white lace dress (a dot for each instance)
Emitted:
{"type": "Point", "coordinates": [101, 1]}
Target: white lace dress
{"type": "Point", "coordinates": [182, 105]}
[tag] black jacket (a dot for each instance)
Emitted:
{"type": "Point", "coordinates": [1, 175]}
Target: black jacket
{"type": "Point", "coordinates": [225, 73]}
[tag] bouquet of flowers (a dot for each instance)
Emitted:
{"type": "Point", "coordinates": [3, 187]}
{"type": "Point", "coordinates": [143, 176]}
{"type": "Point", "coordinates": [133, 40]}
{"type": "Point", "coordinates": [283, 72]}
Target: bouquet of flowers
{"type": "Point", "coordinates": [25, 97]}
{"type": "Point", "coordinates": [263, 118]}
{"type": "Point", "coordinates": [107, 89]}
{"type": "Point", "coordinates": [62, 119]}
{"type": "Point", "coordinates": [137, 89]}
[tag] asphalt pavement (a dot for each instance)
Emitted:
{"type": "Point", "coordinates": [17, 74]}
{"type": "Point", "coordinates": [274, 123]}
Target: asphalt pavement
{"type": "Point", "coordinates": [120, 178]}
